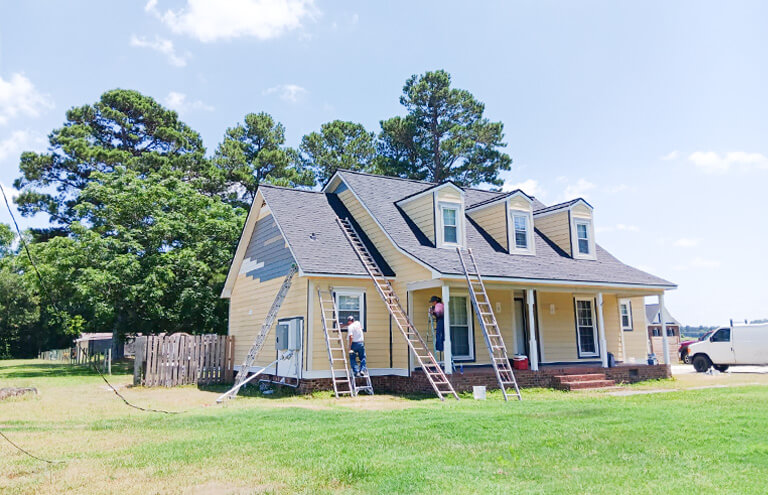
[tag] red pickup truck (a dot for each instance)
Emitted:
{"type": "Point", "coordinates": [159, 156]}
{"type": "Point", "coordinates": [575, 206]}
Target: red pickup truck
{"type": "Point", "coordinates": [683, 351]}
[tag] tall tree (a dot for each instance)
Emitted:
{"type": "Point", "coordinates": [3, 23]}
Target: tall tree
{"type": "Point", "coordinates": [443, 136]}
{"type": "Point", "coordinates": [339, 144]}
{"type": "Point", "coordinates": [253, 152]}
{"type": "Point", "coordinates": [123, 129]}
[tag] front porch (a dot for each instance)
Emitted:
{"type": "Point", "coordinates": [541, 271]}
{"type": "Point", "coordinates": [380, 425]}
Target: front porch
{"type": "Point", "coordinates": [464, 380]}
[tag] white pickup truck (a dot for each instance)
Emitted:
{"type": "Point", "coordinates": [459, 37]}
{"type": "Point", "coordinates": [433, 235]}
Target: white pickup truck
{"type": "Point", "coordinates": [730, 346]}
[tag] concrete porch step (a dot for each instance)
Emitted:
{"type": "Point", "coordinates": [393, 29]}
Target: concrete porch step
{"type": "Point", "coordinates": [589, 384]}
{"type": "Point", "coordinates": [580, 378]}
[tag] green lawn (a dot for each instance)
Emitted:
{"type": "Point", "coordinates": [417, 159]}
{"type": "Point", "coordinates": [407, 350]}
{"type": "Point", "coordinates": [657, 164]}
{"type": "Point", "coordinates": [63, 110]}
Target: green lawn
{"type": "Point", "coordinates": [696, 441]}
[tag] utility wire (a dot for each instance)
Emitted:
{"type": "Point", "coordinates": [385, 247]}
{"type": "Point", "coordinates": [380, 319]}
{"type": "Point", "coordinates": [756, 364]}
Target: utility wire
{"type": "Point", "coordinates": [145, 409]}
{"type": "Point", "coordinates": [33, 456]}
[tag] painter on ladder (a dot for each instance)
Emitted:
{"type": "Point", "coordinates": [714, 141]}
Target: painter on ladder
{"type": "Point", "coordinates": [437, 310]}
{"type": "Point", "coordinates": [356, 346]}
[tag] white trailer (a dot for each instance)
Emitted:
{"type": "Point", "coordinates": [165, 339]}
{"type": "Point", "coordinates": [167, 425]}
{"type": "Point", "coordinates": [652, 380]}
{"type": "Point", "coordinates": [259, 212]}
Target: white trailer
{"type": "Point", "coordinates": [731, 346]}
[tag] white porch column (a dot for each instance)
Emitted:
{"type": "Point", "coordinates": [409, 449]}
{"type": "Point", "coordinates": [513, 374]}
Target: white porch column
{"type": "Point", "coordinates": [664, 340]}
{"type": "Point", "coordinates": [447, 356]}
{"type": "Point", "coordinates": [601, 331]}
{"type": "Point", "coordinates": [534, 350]}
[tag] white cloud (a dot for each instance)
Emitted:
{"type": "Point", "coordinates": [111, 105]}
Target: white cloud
{"type": "Point", "coordinates": [163, 46]}
{"type": "Point", "coordinates": [580, 189]}
{"type": "Point", "coordinates": [12, 193]}
{"type": "Point", "coordinates": [715, 163]}
{"type": "Point", "coordinates": [616, 189]}
{"type": "Point", "coordinates": [530, 187]}
{"type": "Point", "coordinates": [18, 96]}
{"type": "Point", "coordinates": [287, 92]}
{"type": "Point", "coordinates": [699, 263]}
{"type": "Point", "coordinates": [19, 141]}
{"type": "Point", "coordinates": [211, 20]}
{"type": "Point", "coordinates": [178, 101]}
{"type": "Point", "coordinates": [686, 242]}
{"type": "Point", "coordinates": [627, 228]}
{"type": "Point", "coordinates": [671, 155]}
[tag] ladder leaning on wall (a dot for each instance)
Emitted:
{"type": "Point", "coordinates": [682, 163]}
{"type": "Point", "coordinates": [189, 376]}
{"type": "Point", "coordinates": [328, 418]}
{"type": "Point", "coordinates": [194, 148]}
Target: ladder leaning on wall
{"type": "Point", "coordinates": [416, 343]}
{"type": "Point", "coordinates": [493, 339]}
{"type": "Point", "coordinates": [334, 340]}
{"type": "Point", "coordinates": [253, 353]}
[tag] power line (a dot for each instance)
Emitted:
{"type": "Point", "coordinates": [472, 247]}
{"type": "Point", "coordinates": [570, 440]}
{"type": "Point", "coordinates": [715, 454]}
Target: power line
{"type": "Point", "coordinates": [33, 456]}
{"type": "Point", "coordinates": [145, 409]}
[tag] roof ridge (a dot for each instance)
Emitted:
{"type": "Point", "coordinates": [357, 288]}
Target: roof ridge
{"type": "Point", "coordinates": [425, 182]}
{"type": "Point", "coordinates": [297, 189]}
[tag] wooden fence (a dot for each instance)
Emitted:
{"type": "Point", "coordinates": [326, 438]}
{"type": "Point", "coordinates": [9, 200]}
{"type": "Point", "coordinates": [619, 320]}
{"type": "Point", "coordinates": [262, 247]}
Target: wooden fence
{"type": "Point", "coordinates": [182, 359]}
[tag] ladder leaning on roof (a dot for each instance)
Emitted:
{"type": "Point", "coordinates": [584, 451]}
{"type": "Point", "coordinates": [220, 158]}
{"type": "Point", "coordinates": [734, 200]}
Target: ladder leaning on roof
{"type": "Point", "coordinates": [416, 343]}
{"type": "Point", "coordinates": [242, 374]}
{"type": "Point", "coordinates": [334, 340]}
{"type": "Point", "coordinates": [491, 330]}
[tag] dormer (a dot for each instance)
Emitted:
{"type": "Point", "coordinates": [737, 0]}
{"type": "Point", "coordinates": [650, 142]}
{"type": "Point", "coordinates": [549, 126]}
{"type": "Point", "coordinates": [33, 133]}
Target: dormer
{"type": "Point", "coordinates": [439, 213]}
{"type": "Point", "coordinates": [570, 226]}
{"type": "Point", "coordinates": [509, 220]}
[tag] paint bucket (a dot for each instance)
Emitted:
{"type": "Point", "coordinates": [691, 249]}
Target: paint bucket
{"type": "Point", "coordinates": [478, 392]}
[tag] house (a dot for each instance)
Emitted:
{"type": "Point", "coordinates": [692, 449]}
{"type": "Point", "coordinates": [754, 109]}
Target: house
{"type": "Point", "coordinates": [655, 339]}
{"type": "Point", "coordinates": [559, 298]}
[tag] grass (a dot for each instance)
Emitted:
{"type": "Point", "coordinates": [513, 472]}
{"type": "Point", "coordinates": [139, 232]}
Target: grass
{"type": "Point", "coordinates": [692, 441]}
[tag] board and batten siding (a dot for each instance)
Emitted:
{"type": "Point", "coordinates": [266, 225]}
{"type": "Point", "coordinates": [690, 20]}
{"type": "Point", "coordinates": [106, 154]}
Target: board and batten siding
{"type": "Point", "coordinates": [556, 228]}
{"type": "Point", "coordinates": [422, 212]}
{"type": "Point", "coordinates": [493, 220]}
{"type": "Point", "coordinates": [267, 261]}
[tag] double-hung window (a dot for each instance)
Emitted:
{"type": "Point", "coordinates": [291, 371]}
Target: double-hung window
{"type": "Point", "coordinates": [450, 225]}
{"type": "Point", "coordinates": [625, 312]}
{"type": "Point", "coordinates": [350, 302]}
{"type": "Point", "coordinates": [520, 223]}
{"type": "Point", "coordinates": [461, 327]}
{"type": "Point", "coordinates": [582, 237]}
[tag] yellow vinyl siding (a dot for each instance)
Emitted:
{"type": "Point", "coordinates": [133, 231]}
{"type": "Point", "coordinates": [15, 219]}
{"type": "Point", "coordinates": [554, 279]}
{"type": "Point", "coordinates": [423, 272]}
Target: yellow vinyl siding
{"type": "Point", "coordinates": [376, 325]}
{"type": "Point", "coordinates": [581, 211]}
{"type": "Point", "coordinates": [518, 203]}
{"type": "Point", "coordinates": [636, 341]}
{"type": "Point", "coordinates": [557, 332]}
{"type": "Point", "coordinates": [248, 307]}
{"type": "Point", "coordinates": [494, 221]}
{"type": "Point", "coordinates": [422, 212]}
{"type": "Point", "coordinates": [449, 195]}
{"type": "Point", "coordinates": [503, 318]}
{"type": "Point", "coordinates": [556, 228]}
{"type": "Point", "coordinates": [612, 325]}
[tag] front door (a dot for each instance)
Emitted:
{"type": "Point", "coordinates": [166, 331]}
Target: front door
{"type": "Point", "coordinates": [586, 329]}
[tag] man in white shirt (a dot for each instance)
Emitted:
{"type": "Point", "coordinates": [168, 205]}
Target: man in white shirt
{"type": "Point", "coordinates": [356, 346]}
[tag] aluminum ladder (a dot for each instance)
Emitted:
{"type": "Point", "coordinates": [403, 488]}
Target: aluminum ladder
{"type": "Point", "coordinates": [416, 343]}
{"type": "Point", "coordinates": [334, 340]}
{"type": "Point", "coordinates": [240, 379]}
{"type": "Point", "coordinates": [366, 385]}
{"type": "Point", "coordinates": [496, 348]}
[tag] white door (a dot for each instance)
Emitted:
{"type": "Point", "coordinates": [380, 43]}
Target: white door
{"type": "Point", "coordinates": [586, 329]}
{"type": "Point", "coordinates": [721, 347]}
{"type": "Point", "coordinates": [289, 341]}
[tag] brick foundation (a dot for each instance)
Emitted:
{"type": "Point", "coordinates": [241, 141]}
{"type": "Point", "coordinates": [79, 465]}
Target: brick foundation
{"type": "Point", "coordinates": [462, 382]}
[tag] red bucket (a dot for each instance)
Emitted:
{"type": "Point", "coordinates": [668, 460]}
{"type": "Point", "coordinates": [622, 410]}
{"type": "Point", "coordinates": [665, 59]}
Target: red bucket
{"type": "Point", "coordinates": [520, 362]}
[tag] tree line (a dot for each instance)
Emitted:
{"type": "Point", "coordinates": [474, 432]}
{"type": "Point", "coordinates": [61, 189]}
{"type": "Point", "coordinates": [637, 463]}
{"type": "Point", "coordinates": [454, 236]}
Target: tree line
{"type": "Point", "coordinates": [143, 222]}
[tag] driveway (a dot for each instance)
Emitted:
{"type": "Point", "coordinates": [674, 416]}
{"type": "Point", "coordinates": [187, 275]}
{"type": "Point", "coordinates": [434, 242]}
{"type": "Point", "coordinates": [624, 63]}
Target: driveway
{"type": "Point", "coordinates": [687, 369]}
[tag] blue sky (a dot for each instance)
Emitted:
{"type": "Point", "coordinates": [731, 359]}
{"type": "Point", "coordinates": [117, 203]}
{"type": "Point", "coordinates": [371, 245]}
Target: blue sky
{"type": "Point", "coordinates": [653, 111]}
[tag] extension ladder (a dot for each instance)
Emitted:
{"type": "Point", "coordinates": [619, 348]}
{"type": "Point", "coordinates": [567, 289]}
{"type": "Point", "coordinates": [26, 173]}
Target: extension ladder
{"type": "Point", "coordinates": [491, 330]}
{"type": "Point", "coordinates": [334, 340]}
{"type": "Point", "coordinates": [240, 379]}
{"type": "Point", "coordinates": [416, 343]}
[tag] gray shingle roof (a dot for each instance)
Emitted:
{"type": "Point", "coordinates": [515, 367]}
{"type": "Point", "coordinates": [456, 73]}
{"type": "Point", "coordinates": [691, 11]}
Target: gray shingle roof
{"type": "Point", "coordinates": [300, 213]}
{"type": "Point", "coordinates": [652, 315]}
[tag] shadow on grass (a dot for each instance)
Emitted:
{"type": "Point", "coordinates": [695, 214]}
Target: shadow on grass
{"type": "Point", "coordinates": [50, 370]}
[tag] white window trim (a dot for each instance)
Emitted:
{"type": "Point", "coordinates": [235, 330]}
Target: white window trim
{"type": "Point", "coordinates": [513, 249]}
{"type": "Point", "coordinates": [352, 292]}
{"type": "Point", "coordinates": [579, 352]}
{"type": "Point", "coordinates": [575, 239]}
{"type": "Point", "coordinates": [470, 327]}
{"type": "Point", "coordinates": [440, 206]}
{"type": "Point", "coordinates": [628, 303]}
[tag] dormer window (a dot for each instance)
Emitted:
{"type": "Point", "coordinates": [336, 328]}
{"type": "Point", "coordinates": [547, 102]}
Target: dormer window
{"type": "Point", "coordinates": [520, 223]}
{"type": "Point", "coordinates": [450, 228]}
{"type": "Point", "coordinates": [582, 236]}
